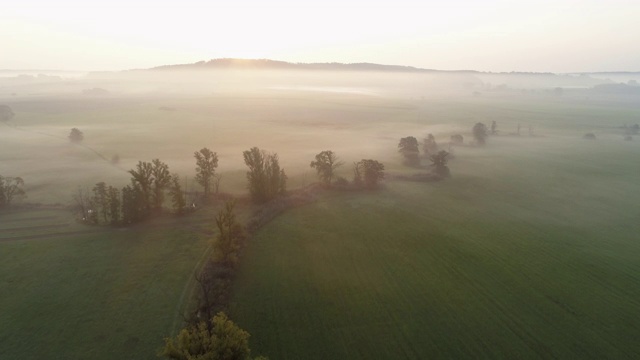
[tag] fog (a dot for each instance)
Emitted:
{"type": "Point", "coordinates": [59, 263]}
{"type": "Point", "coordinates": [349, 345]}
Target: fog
{"type": "Point", "coordinates": [142, 115]}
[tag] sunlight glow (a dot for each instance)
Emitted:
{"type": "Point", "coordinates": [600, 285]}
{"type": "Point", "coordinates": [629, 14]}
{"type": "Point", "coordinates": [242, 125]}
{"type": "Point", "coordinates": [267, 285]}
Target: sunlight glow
{"type": "Point", "coordinates": [496, 35]}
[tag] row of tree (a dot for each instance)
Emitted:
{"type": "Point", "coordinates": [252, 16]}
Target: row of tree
{"type": "Point", "coordinates": [366, 172]}
{"type": "Point", "coordinates": [410, 148]}
{"type": "Point", "coordinates": [134, 202]}
{"type": "Point", "coordinates": [151, 181]}
{"type": "Point", "coordinates": [209, 336]}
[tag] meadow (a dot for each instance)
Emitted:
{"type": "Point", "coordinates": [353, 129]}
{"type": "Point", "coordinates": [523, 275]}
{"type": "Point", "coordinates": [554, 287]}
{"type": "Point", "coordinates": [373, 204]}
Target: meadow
{"type": "Point", "coordinates": [528, 250]}
{"type": "Point", "coordinates": [527, 256]}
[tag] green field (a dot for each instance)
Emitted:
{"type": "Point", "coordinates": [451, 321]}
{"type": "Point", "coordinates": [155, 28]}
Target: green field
{"type": "Point", "coordinates": [76, 292]}
{"type": "Point", "coordinates": [529, 251]}
{"type": "Point", "coordinates": [526, 255]}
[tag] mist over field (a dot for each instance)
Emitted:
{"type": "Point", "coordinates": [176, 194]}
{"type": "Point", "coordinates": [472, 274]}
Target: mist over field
{"type": "Point", "coordinates": [169, 114]}
{"type": "Point", "coordinates": [528, 250]}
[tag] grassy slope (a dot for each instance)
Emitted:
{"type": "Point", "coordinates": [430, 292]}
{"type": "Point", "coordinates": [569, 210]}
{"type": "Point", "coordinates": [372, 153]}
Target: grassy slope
{"type": "Point", "coordinates": [525, 253]}
{"type": "Point", "coordinates": [110, 294]}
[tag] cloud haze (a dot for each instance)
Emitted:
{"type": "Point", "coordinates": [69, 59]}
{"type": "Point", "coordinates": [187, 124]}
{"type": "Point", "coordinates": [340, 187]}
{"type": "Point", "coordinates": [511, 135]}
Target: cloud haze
{"type": "Point", "coordinates": [555, 36]}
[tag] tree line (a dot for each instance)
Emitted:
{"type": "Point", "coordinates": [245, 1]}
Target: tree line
{"type": "Point", "coordinates": [410, 148]}
{"type": "Point", "coordinates": [145, 194]}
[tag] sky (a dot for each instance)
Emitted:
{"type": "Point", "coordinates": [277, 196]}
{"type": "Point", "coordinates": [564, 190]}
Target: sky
{"type": "Point", "coordinates": [490, 35]}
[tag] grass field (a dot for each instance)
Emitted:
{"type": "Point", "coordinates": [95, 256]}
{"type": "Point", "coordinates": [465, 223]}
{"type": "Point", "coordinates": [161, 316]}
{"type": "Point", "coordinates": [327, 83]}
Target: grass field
{"type": "Point", "coordinates": [76, 292]}
{"type": "Point", "coordinates": [522, 254]}
{"type": "Point", "coordinates": [528, 251]}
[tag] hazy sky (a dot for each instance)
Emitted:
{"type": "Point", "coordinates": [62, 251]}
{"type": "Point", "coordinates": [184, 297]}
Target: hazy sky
{"type": "Point", "coordinates": [491, 35]}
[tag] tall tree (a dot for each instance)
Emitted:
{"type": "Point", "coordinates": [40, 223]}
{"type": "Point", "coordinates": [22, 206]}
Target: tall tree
{"type": "Point", "coordinates": [429, 145]}
{"type": "Point", "coordinates": [372, 172]}
{"type": "Point", "coordinates": [206, 164]}
{"type": "Point", "coordinates": [10, 188]}
{"type": "Point", "coordinates": [161, 180]}
{"type": "Point", "coordinates": [357, 174]}
{"type": "Point", "coordinates": [81, 198]}
{"type": "Point", "coordinates": [266, 179]}
{"type": "Point", "coordinates": [276, 178]}
{"type": "Point", "coordinates": [408, 147]}
{"type": "Point", "coordinates": [326, 163]}
{"type": "Point", "coordinates": [177, 195]}
{"type": "Point", "coordinates": [216, 183]}
{"type": "Point", "coordinates": [134, 206]}
{"type": "Point", "coordinates": [494, 128]}
{"type": "Point", "coordinates": [143, 177]}
{"type": "Point", "coordinates": [480, 133]}
{"type": "Point", "coordinates": [113, 195]}
{"type": "Point", "coordinates": [439, 162]}
{"type": "Point", "coordinates": [230, 234]}
{"type": "Point", "coordinates": [254, 158]}
{"type": "Point", "coordinates": [100, 201]}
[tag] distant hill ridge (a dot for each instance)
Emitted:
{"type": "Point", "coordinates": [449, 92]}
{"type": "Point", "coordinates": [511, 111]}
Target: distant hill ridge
{"type": "Point", "coordinates": [267, 64]}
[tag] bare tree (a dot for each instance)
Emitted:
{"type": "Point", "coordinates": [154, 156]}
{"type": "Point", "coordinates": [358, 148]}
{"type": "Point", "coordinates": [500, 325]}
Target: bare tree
{"type": "Point", "coordinates": [216, 183]}
{"type": "Point", "coordinates": [81, 197]}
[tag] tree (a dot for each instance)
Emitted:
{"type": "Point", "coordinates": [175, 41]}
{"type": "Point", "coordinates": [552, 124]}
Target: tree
{"type": "Point", "coordinates": [254, 159]}
{"type": "Point", "coordinates": [266, 179]}
{"type": "Point", "coordinates": [81, 198]}
{"type": "Point", "coordinates": [230, 235]}
{"type": "Point", "coordinates": [76, 136]}
{"type": "Point", "coordinates": [357, 175]}
{"type": "Point", "coordinates": [480, 133]}
{"type": "Point", "coordinates": [177, 196]}
{"type": "Point", "coordinates": [206, 164]}
{"type": "Point", "coordinates": [216, 183]}
{"type": "Point", "coordinates": [161, 179]}
{"type": "Point", "coordinates": [133, 204]}
{"type": "Point", "coordinates": [371, 171]}
{"type": "Point", "coordinates": [429, 146]}
{"type": "Point", "coordinates": [6, 113]}
{"type": "Point", "coordinates": [494, 128]}
{"type": "Point", "coordinates": [408, 147]}
{"type": "Point", "coordinates": [143, 177]}
{"type": "Point", "coordinates": [457, 139]}
{"type": "Point", "coordinates": [100, 201]}
{"type": "Point", "coordinates": [215, 339]}
{"type": "Point", "coordinates": [10, 188]}
{"type": "Point", "coordinates": [326, 163]}
{"type": "Point", "coordinates": [439, 162]}
{"type": "Point", "coordinates": [276, 178]}
{"type": "Point", "coordinates": [113, 200]}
